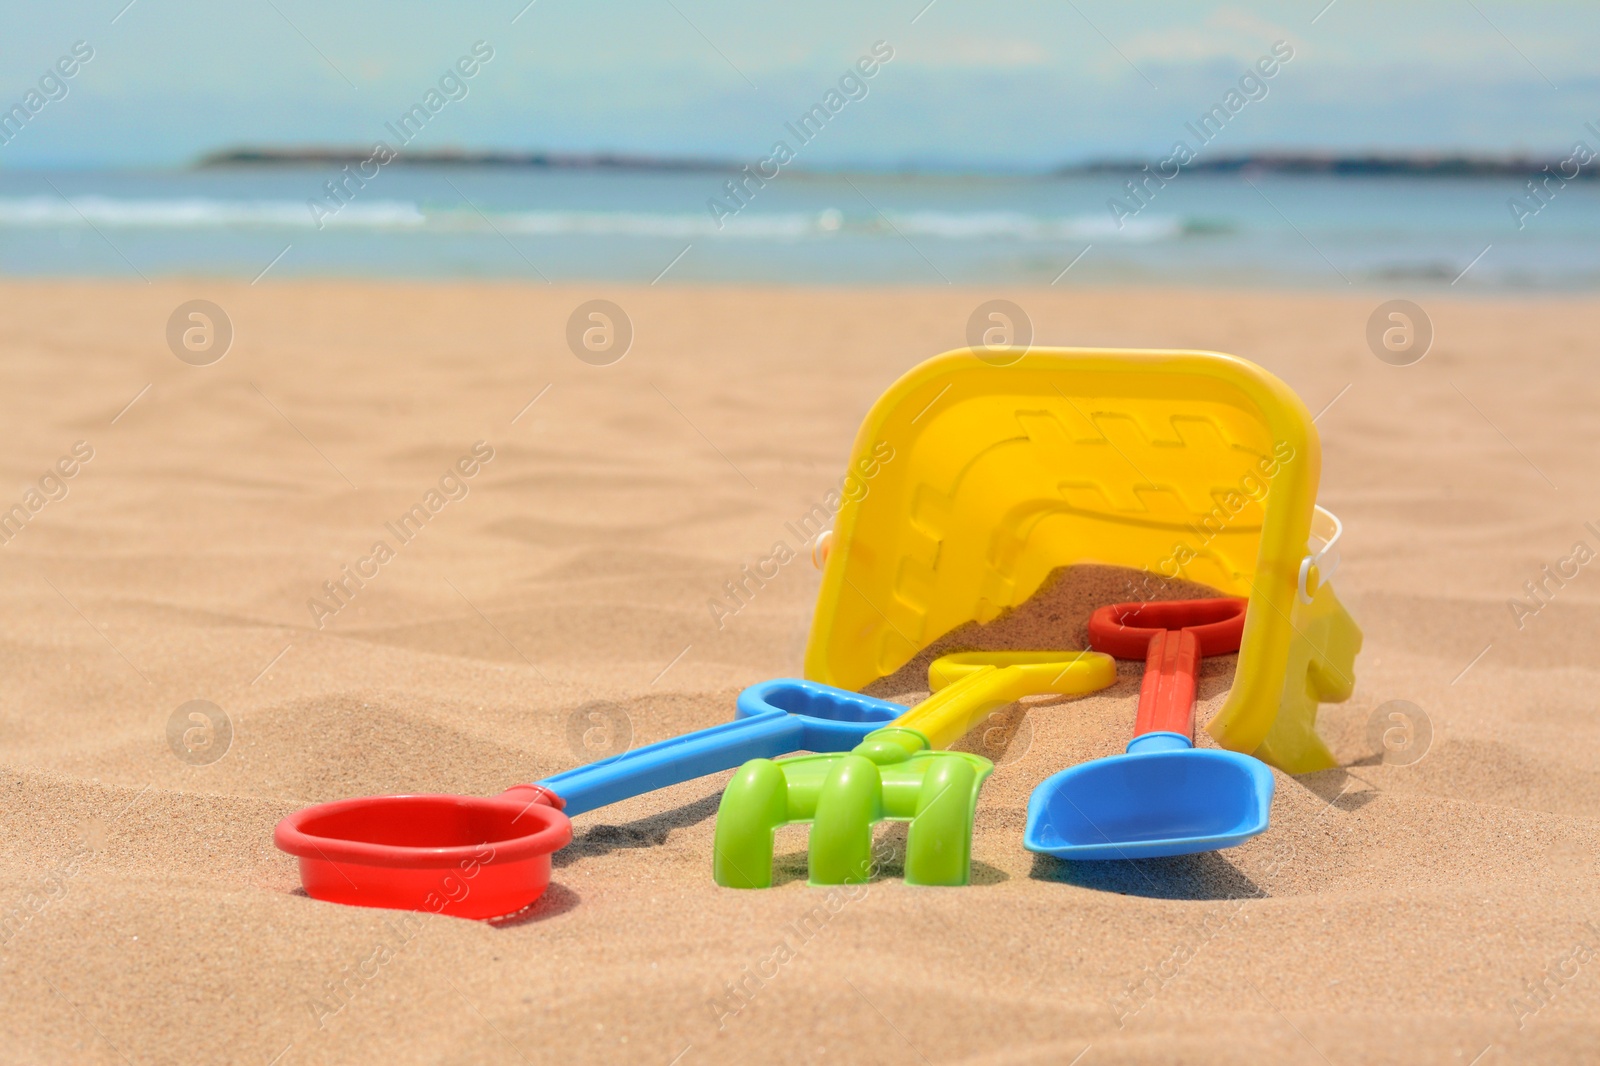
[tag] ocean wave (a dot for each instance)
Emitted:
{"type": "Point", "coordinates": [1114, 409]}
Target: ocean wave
{"type": "Point", "coordinates": [644, 224]}
{"type": "Point", "coordinates": [203, 213]}
{"type": "Point", "coordinates": [199, 213]}
{"type": "Point", "coordinates": [945, 225]}
{"type": "Point", "coordinates": [991, 224]}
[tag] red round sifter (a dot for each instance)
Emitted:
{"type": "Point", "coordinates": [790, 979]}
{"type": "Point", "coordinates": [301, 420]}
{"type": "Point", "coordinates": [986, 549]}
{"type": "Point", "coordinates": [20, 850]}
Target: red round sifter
{"type": "Point", "coordinates": [466, 856]}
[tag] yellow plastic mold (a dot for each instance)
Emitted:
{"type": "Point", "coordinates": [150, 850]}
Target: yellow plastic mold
{"type": "Point", "coordinates": [985, 478]}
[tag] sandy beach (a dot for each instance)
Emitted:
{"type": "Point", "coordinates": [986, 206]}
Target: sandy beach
{"type": "Point", "coordinates": [555, 607]}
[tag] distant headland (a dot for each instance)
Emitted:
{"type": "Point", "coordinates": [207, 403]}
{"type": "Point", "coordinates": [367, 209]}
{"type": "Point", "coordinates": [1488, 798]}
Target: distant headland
{"type": "Point", "coordinates": [450, 157]}
{"type": "Point", "coordinates": [1420, 165]}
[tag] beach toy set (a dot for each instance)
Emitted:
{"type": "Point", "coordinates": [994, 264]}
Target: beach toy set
{"type": "Point", "coordinates": [1191, 465]}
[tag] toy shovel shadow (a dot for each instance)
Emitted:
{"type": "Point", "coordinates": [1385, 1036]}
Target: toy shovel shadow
{"type": "Point", "coordinates": [1164, 797]}
{"type": "Point", "coordinates": [893, 774]}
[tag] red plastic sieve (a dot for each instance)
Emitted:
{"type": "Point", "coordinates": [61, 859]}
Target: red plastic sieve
{"type": "Point", "coordinates": [466, 856]}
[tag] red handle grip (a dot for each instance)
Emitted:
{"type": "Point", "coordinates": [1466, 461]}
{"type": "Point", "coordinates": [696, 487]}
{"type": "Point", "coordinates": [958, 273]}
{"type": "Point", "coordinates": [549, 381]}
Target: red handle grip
{"type": "Point", "coordinates": [1124, 629]}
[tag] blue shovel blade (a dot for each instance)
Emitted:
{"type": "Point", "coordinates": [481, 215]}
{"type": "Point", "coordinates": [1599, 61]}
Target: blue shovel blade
{"type": "Point", "coordinates": [1150, 804]}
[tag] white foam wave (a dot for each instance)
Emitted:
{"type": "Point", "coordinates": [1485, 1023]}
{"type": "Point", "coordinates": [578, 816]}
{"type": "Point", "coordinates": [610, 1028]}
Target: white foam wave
{"type": "Point", "coordinates": [200, 213]}
{"type": "Point", "coordinates": [641, 224]}
{"type": "Point", "coordinates": [989, 224]}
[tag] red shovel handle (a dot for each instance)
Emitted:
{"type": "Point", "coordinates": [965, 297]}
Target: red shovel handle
{"type": "Point", "coordinates": [1166, 696]}
{"type": "Point", "coordinates": [1170, 637]}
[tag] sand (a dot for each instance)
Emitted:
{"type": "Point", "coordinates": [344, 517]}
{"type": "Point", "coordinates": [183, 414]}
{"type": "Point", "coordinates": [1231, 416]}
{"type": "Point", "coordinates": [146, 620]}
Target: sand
{"type": "Point", "coordinates": [1426, 912]}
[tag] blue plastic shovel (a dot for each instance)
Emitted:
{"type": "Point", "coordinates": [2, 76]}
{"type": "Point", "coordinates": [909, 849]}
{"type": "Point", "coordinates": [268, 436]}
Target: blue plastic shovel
{"type": "Point", "coordinates": [772, 718]}
{"type": "Point", "coordinates": [1164, 797]}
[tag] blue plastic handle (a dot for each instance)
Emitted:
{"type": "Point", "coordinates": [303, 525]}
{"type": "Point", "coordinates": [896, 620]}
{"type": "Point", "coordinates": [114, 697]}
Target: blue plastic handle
{"type": "Point", "coordinates": [773, 718]}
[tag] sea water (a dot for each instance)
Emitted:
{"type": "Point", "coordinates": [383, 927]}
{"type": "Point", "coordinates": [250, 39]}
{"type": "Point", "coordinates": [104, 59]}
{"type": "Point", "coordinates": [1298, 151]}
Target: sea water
{"type": "Point", "coordinates": [631, 226]}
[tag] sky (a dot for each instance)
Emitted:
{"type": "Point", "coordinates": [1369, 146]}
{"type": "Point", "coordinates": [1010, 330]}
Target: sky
{"type": "Point", "coordinates": [997, 85]}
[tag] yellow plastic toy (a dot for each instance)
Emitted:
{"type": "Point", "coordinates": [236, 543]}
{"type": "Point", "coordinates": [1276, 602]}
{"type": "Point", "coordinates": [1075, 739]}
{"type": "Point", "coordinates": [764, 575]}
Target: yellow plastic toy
{"type": "Point", "coordinates": [986, 478]}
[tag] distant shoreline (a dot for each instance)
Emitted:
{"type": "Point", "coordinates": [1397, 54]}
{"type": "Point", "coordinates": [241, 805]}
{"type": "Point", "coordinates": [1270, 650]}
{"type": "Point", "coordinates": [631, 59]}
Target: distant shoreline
{"type": "Point", "coordinates": [1420, 165]}
{"type": "Point", "coordinates": [1368, 165]}
{"type": "Point", "coordinates": [339, 157]}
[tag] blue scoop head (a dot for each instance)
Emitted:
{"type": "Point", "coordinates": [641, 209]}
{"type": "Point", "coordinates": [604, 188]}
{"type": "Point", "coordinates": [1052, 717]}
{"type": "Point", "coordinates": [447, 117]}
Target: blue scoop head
{"type": "Point", "coordinates": [1162, 798]}
{"type": "Point", "coordinates": [833, 719]}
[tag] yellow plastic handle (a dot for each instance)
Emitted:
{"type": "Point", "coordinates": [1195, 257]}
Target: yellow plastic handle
{"type": "Point", "coordinates": [968, 686]}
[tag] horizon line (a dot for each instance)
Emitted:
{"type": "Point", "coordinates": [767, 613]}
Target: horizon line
{"type": "Point", "coordinates": [1365, 162]}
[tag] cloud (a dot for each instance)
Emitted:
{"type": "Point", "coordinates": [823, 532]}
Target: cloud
{"type": "Point", "coordinates": [1227, 33]}
{"type": "Point", "coordinates": [970, 52]}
